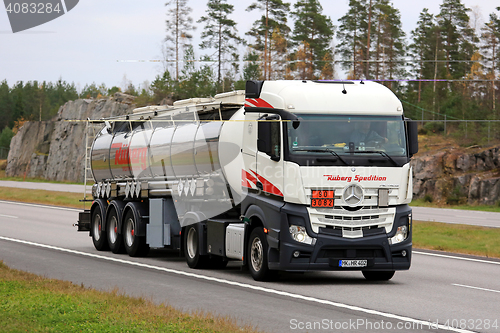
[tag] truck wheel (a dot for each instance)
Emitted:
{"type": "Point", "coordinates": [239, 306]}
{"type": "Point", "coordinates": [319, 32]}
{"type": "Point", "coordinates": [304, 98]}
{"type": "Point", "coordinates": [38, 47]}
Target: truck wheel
{"type": "Point", "coordinates": [191, 252]}
{"type": "Point", "coordinates": [114, 238]}
{"type": "Point", "coordinates": [257, 256]}
{"type": "Point", "coordinates": [378, 275]}
{"type": "Point", "coordinates": [134, 245]}
{"type": "Point", "coordinates": [98, 235]}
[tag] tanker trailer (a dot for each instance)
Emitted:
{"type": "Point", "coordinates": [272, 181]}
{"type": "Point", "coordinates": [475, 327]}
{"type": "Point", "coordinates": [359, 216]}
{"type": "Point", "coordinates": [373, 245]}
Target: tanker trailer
{"type": "Point", "coordinates": [285, 176]}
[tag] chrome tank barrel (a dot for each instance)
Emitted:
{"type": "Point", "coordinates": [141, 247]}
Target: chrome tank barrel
{"type": "Point", "coordinates": [156, 150]}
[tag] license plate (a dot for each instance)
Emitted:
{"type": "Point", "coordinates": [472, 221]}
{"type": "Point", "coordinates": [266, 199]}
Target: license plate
{"type": "Point", "coordinates": [353, 263]}
{"type": "Point", "coordinates": [322, 198]}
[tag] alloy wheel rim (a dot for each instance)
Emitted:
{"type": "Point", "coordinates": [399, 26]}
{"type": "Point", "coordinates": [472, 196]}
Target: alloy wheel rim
{"type": "Point", "coordinates": [257, 254]}
{"type": "Point", "coordinates": [97, 227]}
{"type": "Point", "coordinates": [192, 246]}
{"type": "Point", "coordinates": [129, 232]}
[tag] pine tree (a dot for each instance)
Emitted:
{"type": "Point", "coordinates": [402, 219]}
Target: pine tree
{"type": "Point", "coordinates": [389, 42]}
{"type": "Point", "coordinates": [422, 48]}
{"type": "Point", "coordinates": [274, 18]}
{"type": "Point", "coordinates": [219, 32]}
{"type": "Point", "coordinates": [490, 50]}
{"type": "Point", "coordinates": [315, 29]}
{"type": "Point", "coordinates": [6, 105]}
{"type": "Point", "coordinates": [179, 25]}
{"type": "Point", "coordinates": [458, 38]}
{"type": "Point", "coordinates": [305, 62]}
{"type": "Point", "coordinates": [279, 54]}
{"type": "Point", "coordinates": [353, 36]}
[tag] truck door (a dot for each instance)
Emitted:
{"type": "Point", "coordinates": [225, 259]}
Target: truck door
{"type": "Point", "coordinates": [269, 167]}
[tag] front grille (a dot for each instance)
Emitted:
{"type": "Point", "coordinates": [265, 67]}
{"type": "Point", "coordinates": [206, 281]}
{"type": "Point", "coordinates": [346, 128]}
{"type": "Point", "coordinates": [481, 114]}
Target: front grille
{"type": "Point", "coordinates": [352, 222]}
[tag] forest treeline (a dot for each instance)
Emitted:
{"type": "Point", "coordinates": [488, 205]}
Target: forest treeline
{"type": "Point", "coordinates": [447, 66]}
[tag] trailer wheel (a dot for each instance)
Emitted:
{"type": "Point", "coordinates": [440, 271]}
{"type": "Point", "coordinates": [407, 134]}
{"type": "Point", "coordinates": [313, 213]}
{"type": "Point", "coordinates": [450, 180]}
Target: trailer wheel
{"type": "Point", "coordinates": [98, 235]}
{"type": "Point", "coordinates": [134, 245]}
{"type": "Point", "coordinates": [114, 238]}
{"type": "Point", "coordinates": [378, 275]}
{"type": "Point", "coordinates": [257, 256]}
{"type": "Point", "coordinates": [191, 251]}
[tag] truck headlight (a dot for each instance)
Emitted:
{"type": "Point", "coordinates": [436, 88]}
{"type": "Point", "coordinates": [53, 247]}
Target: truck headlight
{"type": "Point", "coordinates": [401, 235]}
{"type": "Point", "coordinates": [299, 234]}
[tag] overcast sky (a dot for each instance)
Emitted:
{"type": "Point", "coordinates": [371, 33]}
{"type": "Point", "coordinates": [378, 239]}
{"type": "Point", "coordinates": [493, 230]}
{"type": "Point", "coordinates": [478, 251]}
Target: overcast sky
{"type": "Point", "coordinates": [86, 44]}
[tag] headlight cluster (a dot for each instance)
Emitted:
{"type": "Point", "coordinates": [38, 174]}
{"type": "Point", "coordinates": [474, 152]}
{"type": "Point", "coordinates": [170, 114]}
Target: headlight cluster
{"type": "Point", "coordinates": [299, 234]}
{"type": "Point", "coordinates": [401, 235]}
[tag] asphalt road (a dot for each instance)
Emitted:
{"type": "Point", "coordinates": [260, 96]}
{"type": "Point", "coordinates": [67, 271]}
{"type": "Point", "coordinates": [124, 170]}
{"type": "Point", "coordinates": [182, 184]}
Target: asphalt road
{"type": "Point", "coordinates": [457, 216]}
{"type": "Point", "coordinates": [46, 186]}
{"type": "Point", "coordinates": [463, 291]}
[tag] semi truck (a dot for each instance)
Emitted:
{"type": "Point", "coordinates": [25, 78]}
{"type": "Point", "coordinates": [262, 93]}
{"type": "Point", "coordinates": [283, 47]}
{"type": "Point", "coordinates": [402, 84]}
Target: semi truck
{"type": "Point", "coordinates": [282, 176]}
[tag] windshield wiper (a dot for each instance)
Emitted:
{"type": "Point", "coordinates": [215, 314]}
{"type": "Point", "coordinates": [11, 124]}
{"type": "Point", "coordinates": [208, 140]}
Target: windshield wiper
{"type": "Point", "coordinates": [383, 153]}
{"type": "Point", "coordinates": [316, 150]}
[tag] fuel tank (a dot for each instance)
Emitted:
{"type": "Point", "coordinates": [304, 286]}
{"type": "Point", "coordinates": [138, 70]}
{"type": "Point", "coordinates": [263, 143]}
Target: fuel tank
{"type": "Point", "coordinates": [166, 149]}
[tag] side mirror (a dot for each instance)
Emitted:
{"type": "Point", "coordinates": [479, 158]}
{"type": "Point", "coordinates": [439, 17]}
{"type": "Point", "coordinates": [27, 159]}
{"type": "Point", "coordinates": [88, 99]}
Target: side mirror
{"type": "Point", "coordinates": [268, 137]}
{"type": "Point", "coordinates": [412, 128]}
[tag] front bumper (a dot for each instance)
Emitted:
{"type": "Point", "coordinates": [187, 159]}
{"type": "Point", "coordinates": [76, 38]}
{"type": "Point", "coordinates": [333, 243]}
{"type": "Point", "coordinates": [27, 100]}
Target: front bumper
{"type": "Point", "coordinates": [329, 249]}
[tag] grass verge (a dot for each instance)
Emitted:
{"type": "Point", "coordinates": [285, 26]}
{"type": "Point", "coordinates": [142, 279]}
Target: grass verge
{"type": "Point", "coordinates": [30, 303]}
{"type": "Point", "coordinates": [457, 238]}
{"type": "Point", "coordinates": [65, 199]}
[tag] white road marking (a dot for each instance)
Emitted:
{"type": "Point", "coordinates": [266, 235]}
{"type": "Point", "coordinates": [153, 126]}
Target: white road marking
{"type": "Point", "coordinates": [41, 206]}
{"type": "Point", "coordinates": [9, 216]}
{"type": "Point", "coordinates": [455, 257]}
{"type": "Point", "coordinates": [424, 323]}
{"type": "Point", "coordinates": [471, 287]}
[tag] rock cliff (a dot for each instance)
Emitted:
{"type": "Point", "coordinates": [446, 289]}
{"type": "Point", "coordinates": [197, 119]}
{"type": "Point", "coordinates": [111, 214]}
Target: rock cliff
{"type": "Point", "coordinates": [55, 150]}
{"type": "Point", "coordinates": [458, 175]}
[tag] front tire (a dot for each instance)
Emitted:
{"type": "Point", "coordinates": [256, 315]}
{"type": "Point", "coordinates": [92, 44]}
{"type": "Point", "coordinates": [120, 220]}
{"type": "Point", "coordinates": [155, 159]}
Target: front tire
{"type": "Point", "coordinates": [257, 256]}
{"type": "Point", "coordinates": [191, 251]}
{"type": "Point", "coordinates": [378, 275]}
{"type": "Point", "coordinates": [114, 238]}
{"type": "Point", "coordinates": [98, 235]}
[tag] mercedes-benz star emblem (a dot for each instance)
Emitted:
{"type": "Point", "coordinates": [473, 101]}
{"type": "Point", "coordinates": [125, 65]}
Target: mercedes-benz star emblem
{"type": "Point", "coordinates": [353, 195]}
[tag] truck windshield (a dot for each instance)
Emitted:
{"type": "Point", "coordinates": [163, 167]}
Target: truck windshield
{"type": "Point", "coordinates": [347, 140]}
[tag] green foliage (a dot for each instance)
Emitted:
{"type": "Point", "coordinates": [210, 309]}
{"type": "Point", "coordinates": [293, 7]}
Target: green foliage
{"type": "Point", "coordinates": [113, 90]}
{"type": "Point", "coordinates": [274, 19]}
{"type": "Point", "coordinates": [315, 29]}
{"type": "Point", "coordinates": [457, 196]}
{"type": "Point", "coordinates": [371, 31]}
{"type": "Point", "coordinates": [5, 137]}
{"type": "Point", "coordinates": [458, 39]}
{"type": "Point", "coordinates": [94, 91]}
{"type": "Point", "coordinates": [428, 198]}
{"type": "Point", "coordinates": [33, 100]}
{"type": "Point", "coordinates": [251, 70]}
{"type": "Point", "coordinates": [353, 37]}
{"type": "Point", "coordinates": [220, 33]}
